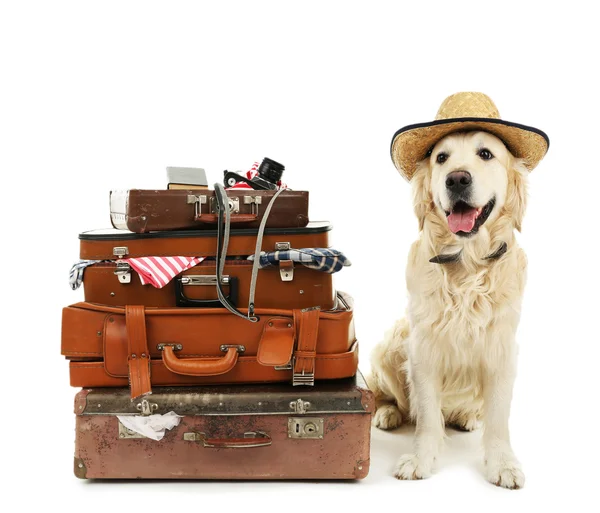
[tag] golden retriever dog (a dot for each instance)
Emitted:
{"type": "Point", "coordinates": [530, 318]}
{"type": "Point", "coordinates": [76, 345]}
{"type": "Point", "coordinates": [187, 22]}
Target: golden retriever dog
{"type": "Point", "coordinates": [452, 360]}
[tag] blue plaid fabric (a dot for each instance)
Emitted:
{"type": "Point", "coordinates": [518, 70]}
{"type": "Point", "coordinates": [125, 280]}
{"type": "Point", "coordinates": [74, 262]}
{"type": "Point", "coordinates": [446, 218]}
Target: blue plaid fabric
{"type": "Point", "coordinates": [320, 259]}
{"type": "Point", "coordinates": [76, 272]}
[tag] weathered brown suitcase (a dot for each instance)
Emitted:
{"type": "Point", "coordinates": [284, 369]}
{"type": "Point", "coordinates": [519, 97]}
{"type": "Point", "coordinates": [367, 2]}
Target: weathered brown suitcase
{"type": "Point", "coordinates": [111, 244]}
{"type": "Point", "coordinates": [287, 288]}
{"type": "Point", "coordinates": [232, 432]}
{"type": "Point", "coordinates": [144, 347]}
{"type": "Point", "coordinates": [144, 211]}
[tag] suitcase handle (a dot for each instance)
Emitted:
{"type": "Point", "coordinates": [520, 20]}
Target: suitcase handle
{"type": "Point", "coordinates": [182, 300]}
{"type": "Point", "coordinates": [251, 439]}
{"type": "Point", "coordinates": [200, 366]}
{"type": "Point", "coordinates": [235, 218]}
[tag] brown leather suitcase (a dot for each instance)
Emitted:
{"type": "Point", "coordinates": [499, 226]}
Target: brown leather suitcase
{"type": "Point", "coordinates": [111, 284]}
{"type": "Point", "coordinates": [143, 211]}
{"type": "Point", "coordinates": [110, 244]}
{"type": "Point", "coordinates": [113, 347]}
{"type": "Point", "coordinates": [228, 432]}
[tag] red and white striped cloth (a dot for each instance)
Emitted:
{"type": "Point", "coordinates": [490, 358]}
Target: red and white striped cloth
{"type": "Point", "coordinates": [250, 175]}
{"type": "Point", "coordinates": [158, 271]}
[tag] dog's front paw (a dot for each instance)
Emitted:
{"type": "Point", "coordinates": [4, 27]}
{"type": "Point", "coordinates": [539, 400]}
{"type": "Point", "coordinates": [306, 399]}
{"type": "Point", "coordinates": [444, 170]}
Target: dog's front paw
{"type": "Point", "coordinates": [505, 472]}
{"type": "Point", "coordinates": [411, 467]}
{"type": "Point", "coordinates": [387, 416]}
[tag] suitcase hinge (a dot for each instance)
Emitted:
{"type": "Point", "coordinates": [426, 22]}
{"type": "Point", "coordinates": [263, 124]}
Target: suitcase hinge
{"type": "Point", "coordinates": [123, 272]}
{"type": "Point", "coordinates": [299, 406]}
{"type": "Point", "coordinates": [254, 201]}
{"type": "Point", "coordinates": [198, 201]}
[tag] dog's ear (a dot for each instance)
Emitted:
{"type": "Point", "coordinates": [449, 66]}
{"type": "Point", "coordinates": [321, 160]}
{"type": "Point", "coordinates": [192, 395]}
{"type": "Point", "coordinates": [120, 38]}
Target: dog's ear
{"type": "Point", "coordinates": [516, 194]}
{"type": "Point", "coordinates": [421, 187]}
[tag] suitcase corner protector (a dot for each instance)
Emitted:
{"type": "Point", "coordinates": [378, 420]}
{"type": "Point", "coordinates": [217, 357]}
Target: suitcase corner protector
{"type": "Point", "coordinates": [362, 469]}
{"type": "Point", "coordinates": [79, 468]}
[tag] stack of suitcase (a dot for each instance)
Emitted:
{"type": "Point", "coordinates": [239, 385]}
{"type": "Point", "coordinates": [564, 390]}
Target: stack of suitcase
{"type": "Point", "coordinates": [270, 392]}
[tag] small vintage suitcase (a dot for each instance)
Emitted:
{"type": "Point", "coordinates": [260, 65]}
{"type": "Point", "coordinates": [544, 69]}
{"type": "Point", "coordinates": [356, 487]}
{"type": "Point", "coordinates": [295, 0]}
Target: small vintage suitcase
{"type": "Point", "coordinates": [113, 283]}
{"type": "Point", "coordinates": [110, 244]}
{"type": "Point", "coordinates": [229, 432]}
{"type": "Point", "coordinates": [143, 211]}
{"type": "Point", "coordinates": [113, 347]}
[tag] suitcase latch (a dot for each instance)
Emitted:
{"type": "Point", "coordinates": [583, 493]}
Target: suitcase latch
{"type": "Point", "coordinates": [232, 203]}
{"type": "Point", "coordinates": [146, 407]}
{"type": "Point", "coordinates": [299, 406]}
{"type": "Point", "coordinates": [123, 272]}
{"type": "Point", "coordinates": [120, 251]}
{"type": "Point", "coordinates": [198, 201]}
{"type": "Point", "coordinates": [286, 270]}
{"type": "Point", "coordinates": [254, 201]}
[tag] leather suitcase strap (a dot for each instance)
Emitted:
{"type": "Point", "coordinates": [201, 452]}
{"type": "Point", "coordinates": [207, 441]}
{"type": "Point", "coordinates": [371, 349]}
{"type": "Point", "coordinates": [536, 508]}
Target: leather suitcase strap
{"type": "Point", "coordinates": [307, 321]}
{"type": "Point", "coordinates": [138, 355]}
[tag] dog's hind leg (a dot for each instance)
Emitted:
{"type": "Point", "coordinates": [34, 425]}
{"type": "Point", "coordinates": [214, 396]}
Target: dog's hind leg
{"type": "Point", "coordinates": [387, 414]}
{"type": "Point", "coordinates": [387, 380]}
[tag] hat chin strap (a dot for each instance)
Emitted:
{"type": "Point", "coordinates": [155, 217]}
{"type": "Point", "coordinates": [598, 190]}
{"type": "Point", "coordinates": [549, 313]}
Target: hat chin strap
{"type": "Point", "coordinates": [455, 257]}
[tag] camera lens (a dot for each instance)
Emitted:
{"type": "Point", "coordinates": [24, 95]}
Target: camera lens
{"type": "Point", "coordinates": [270, 170]}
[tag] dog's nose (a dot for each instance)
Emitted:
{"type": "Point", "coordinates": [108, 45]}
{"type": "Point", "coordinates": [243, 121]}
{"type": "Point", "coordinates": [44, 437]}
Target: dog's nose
{"type": "Point", "coordinates": [458, 181]}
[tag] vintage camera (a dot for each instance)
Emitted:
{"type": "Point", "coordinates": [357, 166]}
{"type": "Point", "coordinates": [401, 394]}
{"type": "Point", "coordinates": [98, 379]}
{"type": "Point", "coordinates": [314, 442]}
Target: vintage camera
{"type": "Point", "coordinates": [269, 175]}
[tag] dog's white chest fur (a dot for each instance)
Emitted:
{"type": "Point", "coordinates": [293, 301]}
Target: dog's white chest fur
{"type": "Point", "coordinates": [460, 320]}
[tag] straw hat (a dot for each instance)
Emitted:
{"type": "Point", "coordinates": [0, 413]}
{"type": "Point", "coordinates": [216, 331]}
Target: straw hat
{"type": "Point", "coordinates": [466, 111]}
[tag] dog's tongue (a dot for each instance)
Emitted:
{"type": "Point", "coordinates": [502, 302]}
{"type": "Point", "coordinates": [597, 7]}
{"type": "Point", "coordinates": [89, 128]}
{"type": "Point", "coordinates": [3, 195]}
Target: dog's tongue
{"type": "Point", "coordinates": [462, 221]}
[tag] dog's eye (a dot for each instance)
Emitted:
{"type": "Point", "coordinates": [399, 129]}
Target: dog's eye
{"type": "Point", "coordinates": [441, 158]}
{"type": "Point", "coordinates": [485, 154]}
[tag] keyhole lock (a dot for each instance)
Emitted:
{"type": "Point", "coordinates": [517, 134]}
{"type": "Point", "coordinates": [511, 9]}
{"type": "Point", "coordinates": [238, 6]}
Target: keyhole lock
{"type": "Point", "coordinates": [305, 427]}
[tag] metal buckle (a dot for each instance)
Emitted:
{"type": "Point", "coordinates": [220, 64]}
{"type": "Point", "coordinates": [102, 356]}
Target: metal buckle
{"type": "Point", "coordinates": [302, 378]}
{"type": "Point", "coordinates": [305, 378]}
{"type": "Point", "coordinates": [198, 201]}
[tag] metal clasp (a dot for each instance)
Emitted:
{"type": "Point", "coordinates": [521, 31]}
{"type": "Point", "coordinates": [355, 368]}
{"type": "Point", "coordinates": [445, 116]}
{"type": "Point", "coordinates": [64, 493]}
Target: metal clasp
{"type": "Point", "coordinates": [232, 203]}
{"type": "Point", "coordinates": [286, 270]}
{"type": "Point", "coordinates": [120, 251]}
{"type": "Point", "coordinates": [198, 201]}
{"type": "Point", "coordinates": [147, 407]}
{"type": "Point", "coordinates": [123, 272]}
{"type": "Point", "coordinates": [254, 201]}
{"type": "Point", "coordinates": [299, 406]}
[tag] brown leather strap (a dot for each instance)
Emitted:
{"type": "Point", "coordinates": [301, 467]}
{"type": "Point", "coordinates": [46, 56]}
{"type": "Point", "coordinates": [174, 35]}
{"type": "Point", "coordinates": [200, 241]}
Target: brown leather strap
{"type": "Point", "coordinates": [307, 322]}
{"type": "Point", "coordinates": [138, 354]}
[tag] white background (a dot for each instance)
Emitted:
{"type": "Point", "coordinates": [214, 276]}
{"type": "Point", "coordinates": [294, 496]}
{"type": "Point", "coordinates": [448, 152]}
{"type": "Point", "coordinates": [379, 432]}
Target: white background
{"type": "Point", "coordinates": [104, 95]}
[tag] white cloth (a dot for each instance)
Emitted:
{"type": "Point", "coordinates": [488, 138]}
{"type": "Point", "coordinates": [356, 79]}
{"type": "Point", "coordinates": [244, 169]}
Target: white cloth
{"type": "Point", "coordinates": [151, 426]}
